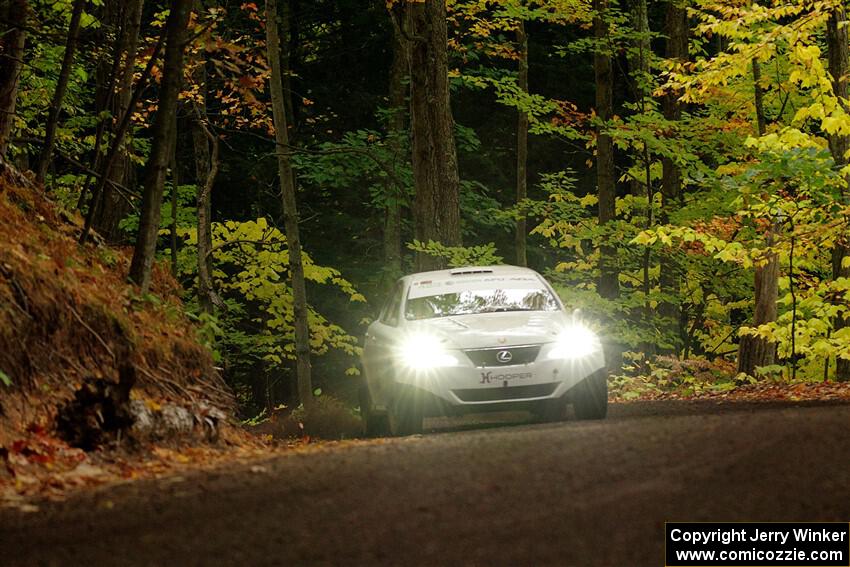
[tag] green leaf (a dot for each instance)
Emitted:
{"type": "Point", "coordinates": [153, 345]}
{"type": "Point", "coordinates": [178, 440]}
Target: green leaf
{"type": "Point", "coordinates": [4, 378]}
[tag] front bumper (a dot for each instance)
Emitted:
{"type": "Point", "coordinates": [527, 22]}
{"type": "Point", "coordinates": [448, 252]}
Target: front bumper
{"type": "Point", "coordinates": [472, 387]}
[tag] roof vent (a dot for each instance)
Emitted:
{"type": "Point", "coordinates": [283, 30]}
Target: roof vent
{"type": "Point", "coordinates": [471, 271]}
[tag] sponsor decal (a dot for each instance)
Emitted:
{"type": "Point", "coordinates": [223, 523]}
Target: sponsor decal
{"type": "Point", "coordinates": [490, 377]}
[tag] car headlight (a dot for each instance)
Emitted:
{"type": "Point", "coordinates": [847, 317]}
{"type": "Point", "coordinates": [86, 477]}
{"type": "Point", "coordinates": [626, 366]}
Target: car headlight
{"type": "Point", "coordinates": [423, 351]}
{"type": "Point", "coordinates": [575, 342]}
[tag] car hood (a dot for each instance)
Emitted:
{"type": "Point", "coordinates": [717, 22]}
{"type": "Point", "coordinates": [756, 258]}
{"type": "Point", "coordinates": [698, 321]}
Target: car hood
{"type": "Point", "coordinates": [495, 329]}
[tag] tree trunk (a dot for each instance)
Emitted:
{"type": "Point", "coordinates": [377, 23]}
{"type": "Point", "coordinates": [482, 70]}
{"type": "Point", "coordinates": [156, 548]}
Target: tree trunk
{"type": "Point", "coordinates": [289, 39]}
{"type": "Point", "coordinates": [639, 74]}
{"type": "Point", "coordinates": [642, 50]}
{"type": "Point", "coordinates": [118, 138]}
{"type": "Point", "coordinates": [761, 121]}
{"type": "Point", "coordinates": [839, 68]}
{"type": "Point", "coordinates": [399, 73]}
{"type": "Point", "coordinates": [522, 148]}
{"type": "Point", "coordinates": [206, 169]}
{"type": "Point", "coordinates": [206, 290]}
{"type": "Point", "coordinates": [112, 207]}
{"type": "Point", "coordinates": [175, 202]}
{"type": "Point", "coordinates": [677, 49]}
{"type": "Point", "coordinates": [756, 351]}
{"type": "Point", "coordinates": [203, 166]}
{"type": "Point", "coordinates": [435, 173]}
{"type": "Point", "coordinates": [290, 211]}
{"type": "Point", "coordinates": [106, 76]}
{"type": "Point", "coordinates": [609, 286]}
{"type": "Point", "coordinates": [14, 15]}
{"type": "Point", "coordinates": [671, 176]}
{"type": "Point", "coordinates": [640, 69]}
{"type": "Point", "coordinates": [163, 137]}
{"type": "Point", "coordinates": [59, 94]}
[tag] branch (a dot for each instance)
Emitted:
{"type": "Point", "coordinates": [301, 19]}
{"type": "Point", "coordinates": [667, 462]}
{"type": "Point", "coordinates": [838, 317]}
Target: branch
{"type": "Point", "coordinates": [229, 243]}
{"type": "Point", "coordinates": [92, 331]}
{"type": "Point", "coordinates": [125, 192]}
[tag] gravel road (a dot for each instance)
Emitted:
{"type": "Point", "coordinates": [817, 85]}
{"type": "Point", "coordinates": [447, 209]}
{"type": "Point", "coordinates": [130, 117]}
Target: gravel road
{"type": "Point", "coordinates": [573, 493]}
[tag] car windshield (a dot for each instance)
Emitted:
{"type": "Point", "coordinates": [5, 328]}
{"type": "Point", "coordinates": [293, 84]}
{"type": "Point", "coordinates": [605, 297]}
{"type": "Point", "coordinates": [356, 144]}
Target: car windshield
{"type": "Point", "coordinates": [468, 302]}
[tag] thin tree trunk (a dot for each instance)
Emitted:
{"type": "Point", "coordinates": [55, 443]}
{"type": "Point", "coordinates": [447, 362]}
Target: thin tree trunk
{"type": "Point", "coordinates": [839, 68]}
{"type": "Point", "coordinates": [609, 286]}
{"type": "Point", "coordinates": [175, 202]}
{"type": "Point", "coordinates": [106, 77]}
{"type": "Point", "coordinates": [671, 176]}
{"type": "Point", "coordinates": [203, 166]}
{"type": "Point", "coordinates": [756, 351]}
{"type": "Point", "coordinates": [59, 94]}
{"type": "Point", "coordinates": [640, 68]}
{"type": "Point", "coordinates": [435, 170]}
{"type": "Point", "coordinates": [112, 207]}
{"type": "Point", "coordinates": [288, 43]}
{"type": "Point", "coordinates": [206, 290]}
{"type": "Point", "coordinates": [290, 211]}
{"type": "Point", "coordinates": [12, 42]}
{"type": "Point", "coordinates": [118, 139]}
{"type": "Point", "coordinates": [761, 121]}
{"type": "Point", "coordinates": [163, 137]}
{"type": "Point", "coordinates": [639, 62]}
{"type": "Point", "coordinates": [206, 169]}
{"type": "Point", "coordinates": [520, 235]}
{"type": "Point", "coordinates": [399, 73]}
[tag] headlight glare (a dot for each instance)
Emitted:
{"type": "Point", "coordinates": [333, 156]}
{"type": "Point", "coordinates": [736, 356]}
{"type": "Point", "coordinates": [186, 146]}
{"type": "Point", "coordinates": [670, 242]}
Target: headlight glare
{"type": "Point", "coordinates": [575, 342]}
{"type": "Point", "coordinates": [422, 352]}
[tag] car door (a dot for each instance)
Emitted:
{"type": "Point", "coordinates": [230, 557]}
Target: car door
{"type": "Point", "coordinates": [379, 347]}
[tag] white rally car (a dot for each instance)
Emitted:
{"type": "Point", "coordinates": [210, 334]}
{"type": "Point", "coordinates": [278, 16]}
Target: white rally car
{"type": "Point", "coordinates": [478, 339]}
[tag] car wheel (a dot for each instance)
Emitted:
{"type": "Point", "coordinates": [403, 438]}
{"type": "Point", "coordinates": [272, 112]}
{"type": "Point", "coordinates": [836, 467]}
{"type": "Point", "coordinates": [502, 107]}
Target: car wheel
{"type": "Point", "coordinates": [375, 424]}
{"type": "Point", "coordinates": [549, 411]}
{"type": "Point", "coordinates": [591, 396]}
{"type": "Point", "coordinates": [407, 413]}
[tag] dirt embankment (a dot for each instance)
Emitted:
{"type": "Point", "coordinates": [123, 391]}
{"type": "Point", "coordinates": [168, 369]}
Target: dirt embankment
{"type": "Point", "coordinates": [84, 358]}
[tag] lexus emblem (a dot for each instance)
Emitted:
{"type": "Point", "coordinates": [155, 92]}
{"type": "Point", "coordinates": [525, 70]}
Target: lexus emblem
{"type": "Point", "coordinates": [504, 356]}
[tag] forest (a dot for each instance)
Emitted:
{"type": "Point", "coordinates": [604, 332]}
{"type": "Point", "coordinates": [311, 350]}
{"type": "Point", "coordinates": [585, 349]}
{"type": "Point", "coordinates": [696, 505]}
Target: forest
{"type": "Point", "coordinates": [677, 169]}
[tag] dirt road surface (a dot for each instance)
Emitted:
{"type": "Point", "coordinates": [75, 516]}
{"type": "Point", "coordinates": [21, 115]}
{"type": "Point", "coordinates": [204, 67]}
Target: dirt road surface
{"type": "Point", "coordinates": [573, 493]}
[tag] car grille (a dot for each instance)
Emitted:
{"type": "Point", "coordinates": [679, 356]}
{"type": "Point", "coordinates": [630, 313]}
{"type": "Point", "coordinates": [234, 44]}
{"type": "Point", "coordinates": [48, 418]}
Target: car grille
{"type": "Point", "coordinates": [505, 393]}
{"type": "Point", "coordinates": [490, 356]}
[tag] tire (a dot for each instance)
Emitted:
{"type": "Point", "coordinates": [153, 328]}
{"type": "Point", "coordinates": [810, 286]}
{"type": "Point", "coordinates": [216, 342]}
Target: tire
{"type": "Point", "coordinates": [374, 424]}
{"type": "Point", "coordinates": [591, 396]}
{"type": "Point", "coordinates": [550, 411]}
{"type": "Point", "coordinates": [407, 413]}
